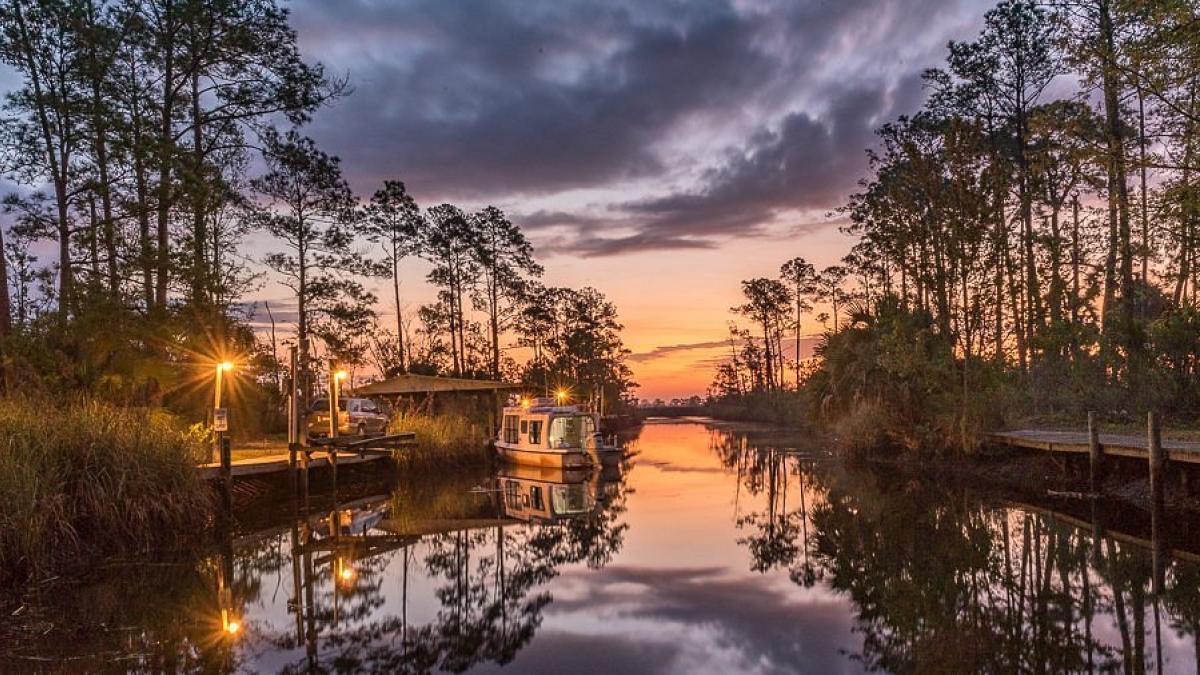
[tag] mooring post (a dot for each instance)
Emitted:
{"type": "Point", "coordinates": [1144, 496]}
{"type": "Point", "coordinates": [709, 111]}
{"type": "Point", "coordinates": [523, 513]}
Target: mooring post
{"type": "Point", "coordinates": [1095, 453]}
{"type": "Point", "coordinates": [1158, 462]}
{"type": "Point", "coordinates": [293, 416]}
{"type": "Point", "coordinates": [1158, 459]}
{"type": "Point", "coordinates": [227, 471]}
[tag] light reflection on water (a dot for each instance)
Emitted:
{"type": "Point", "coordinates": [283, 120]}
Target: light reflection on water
{"type": "Point", "coordinates": [720, 549]}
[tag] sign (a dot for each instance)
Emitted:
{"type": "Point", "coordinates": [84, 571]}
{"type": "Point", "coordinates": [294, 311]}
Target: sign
{"type": "Point", "coordinates": [220, 419]}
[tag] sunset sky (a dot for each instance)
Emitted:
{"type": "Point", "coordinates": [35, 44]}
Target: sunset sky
{"type": "Point", "coordinates": [659, 151]}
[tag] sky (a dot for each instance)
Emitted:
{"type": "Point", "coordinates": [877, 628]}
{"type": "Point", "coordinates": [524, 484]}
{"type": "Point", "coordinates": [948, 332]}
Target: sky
{"type": "Point", "coordinates": [658, 151]}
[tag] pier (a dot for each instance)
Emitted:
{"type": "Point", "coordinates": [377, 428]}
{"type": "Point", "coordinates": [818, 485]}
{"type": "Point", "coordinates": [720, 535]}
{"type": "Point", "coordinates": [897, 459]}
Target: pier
{"type": "Point", "coordinates": [1114, 445]}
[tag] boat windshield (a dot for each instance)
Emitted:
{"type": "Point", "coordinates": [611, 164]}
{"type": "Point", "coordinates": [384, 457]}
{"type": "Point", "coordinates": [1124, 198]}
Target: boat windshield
{"type": "Point", "coordinates": [570, 431]}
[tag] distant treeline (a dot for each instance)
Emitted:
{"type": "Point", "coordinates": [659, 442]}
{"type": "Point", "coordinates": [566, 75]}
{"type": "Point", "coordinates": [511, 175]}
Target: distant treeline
{"type": "Point", "coordinates": [135, 128]}
{"type": "Point", "coordinates": [1018, 254]}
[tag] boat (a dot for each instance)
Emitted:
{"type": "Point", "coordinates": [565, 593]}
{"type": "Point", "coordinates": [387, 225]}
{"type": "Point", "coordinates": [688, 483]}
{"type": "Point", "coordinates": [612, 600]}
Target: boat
{"type": "Point", "coordinates": [541, 433]}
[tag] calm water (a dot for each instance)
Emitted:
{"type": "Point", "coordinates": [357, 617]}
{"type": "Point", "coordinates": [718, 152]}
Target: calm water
{"type": "Point", "coordinates": [719, 550]}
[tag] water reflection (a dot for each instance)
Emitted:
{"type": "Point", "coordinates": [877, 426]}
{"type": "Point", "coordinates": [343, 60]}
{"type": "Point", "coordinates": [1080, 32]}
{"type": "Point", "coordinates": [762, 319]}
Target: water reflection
{"type": "Point", "coordinates": [943, 582]}
{"type": "Point", "coordinates": [725, 549]}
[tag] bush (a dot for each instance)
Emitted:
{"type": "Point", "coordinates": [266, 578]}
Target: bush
{"type": "Point", "coordinates": [863, 430]}
{"type": "Point", "coordinates": [443, 437]}
{"type": "Point", "coordinates": [87, 478]}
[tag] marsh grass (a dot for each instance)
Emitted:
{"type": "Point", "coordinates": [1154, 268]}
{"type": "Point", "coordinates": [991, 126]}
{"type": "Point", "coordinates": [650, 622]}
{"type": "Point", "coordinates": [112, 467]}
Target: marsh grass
{"type": "Point", "coordinates": [442, 439]}
{"type": "Point", "coordinates": [85, 478]}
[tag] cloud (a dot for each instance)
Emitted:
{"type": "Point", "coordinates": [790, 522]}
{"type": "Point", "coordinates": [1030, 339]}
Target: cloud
{"type": "Point", "coordinates": [667, 350]}
{"type": "Point", "coordinates": [649, 126]}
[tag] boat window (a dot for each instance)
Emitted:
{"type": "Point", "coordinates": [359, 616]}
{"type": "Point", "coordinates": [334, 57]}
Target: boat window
{"type": "Point", "coordinates": [524, 426]}
{"type": "Point", "coordinates": [570, 432]}
{"type": "Point", "coordinates": [511, 435]}
{"type": "Point", "coordinates": [535, 497]}
{"type": "Point", "coordinates": [535, 433]}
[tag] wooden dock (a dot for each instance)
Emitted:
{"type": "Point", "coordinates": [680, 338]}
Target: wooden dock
{"type": "Point", "coordinates": [1112, 445]}
{"type": "Point", "coordinates": [278, 463]}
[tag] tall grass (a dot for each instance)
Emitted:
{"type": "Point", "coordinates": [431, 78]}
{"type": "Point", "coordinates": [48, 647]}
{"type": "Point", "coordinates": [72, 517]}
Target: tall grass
{"type": "Point", "coordinates": [443, 438]}
{"type": "Point", "coordinates": [86, 478]}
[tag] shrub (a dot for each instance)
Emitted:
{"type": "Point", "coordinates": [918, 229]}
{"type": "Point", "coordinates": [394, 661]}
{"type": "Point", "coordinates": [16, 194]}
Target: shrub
{"type": "Point", "coordinates": [864, 429]}
{"type": "Point", "coordinates": [86, 478]}
{"type": "Point", "coordinates": [442, 437]}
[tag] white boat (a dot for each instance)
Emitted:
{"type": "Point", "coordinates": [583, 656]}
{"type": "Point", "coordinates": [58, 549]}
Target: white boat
{"type": "Point", "coordinates": [540, 433]}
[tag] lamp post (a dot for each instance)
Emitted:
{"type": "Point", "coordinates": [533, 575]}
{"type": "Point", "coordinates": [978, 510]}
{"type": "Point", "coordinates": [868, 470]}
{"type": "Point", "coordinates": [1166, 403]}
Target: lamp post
{"type": "Point", "coordinates": [335, 377]}
{"type": "Point", "coordinates": [220, 420]}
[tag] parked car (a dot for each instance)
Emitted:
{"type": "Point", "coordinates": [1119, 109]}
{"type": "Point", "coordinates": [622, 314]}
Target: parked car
{"type": "Point", "coordinates": [356, 416]}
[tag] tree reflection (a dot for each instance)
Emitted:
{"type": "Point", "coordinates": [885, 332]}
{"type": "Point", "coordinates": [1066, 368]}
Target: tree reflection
{"type": "Point", "coordinates": [488, 572]}
{"type": "Point", "coordinates": [943, 582]}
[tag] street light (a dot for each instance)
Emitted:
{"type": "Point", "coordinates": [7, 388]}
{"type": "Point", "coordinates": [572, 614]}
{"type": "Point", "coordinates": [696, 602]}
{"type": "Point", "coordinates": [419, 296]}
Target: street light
{"type": "Point", "coordinates": [561, 396]}
{"type": "Point", "coordinates": [222, 367]}
{"type": "Point", "coordinates": [334, 378]}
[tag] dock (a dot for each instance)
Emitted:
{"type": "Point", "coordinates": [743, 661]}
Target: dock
{"type": "Point", "coordinates": [340, 451]}
{"type": "Point", "coordinates": [1113, 445]}
{"type": "Point", "coordinates": [278, 463]}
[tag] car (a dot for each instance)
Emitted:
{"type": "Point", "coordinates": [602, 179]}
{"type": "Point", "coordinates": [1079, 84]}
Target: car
{"type": "Point", "coordinates": [356, 416]}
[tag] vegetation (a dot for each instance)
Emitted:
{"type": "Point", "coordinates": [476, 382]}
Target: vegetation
{"type": "Point", "coordinates": [90, 478]}
{"type": "Point", "coordinates": [442, 438]}
{"type": "Point", "coordinates": [135, 131]}
{"type": "Point", "coordinates": [1017, 254]}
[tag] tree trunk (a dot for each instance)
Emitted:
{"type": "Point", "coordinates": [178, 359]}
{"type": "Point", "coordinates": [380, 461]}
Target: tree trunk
{"type": "Point", "coordinates": [5, 304]}
{"type": "Point", "coordinates": [165, 156]}
{"type": "Point", "coordinates": [1118, 193]}
{"type": "Point", "coordinates": [396, 295]}
{"type": "Point", "coordinates": [199, 191]}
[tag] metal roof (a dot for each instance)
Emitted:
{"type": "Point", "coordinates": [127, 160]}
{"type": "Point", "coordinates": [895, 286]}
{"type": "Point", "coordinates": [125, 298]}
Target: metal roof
{"type": "Point", "coordinates": [424, 384]}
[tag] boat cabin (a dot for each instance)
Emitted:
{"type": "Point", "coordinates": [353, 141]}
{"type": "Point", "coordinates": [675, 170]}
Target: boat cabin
{"type": "Point", "coordinates": [540, 433]}
{"type": "Point", "coordinates": [547, 427]}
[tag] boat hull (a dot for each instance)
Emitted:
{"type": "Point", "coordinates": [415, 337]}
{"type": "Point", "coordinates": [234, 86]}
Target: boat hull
{"type": "Point", "coordinates": [607, 457]}
{"type": "Point", "coordinates": [549, 460]}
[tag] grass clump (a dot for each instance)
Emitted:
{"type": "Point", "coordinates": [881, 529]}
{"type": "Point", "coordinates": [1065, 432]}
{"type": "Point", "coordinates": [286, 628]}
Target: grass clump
{"type": "Point", "coordinates": [86, 478]}
{"type": "Point", "coordinates": [444, 437]}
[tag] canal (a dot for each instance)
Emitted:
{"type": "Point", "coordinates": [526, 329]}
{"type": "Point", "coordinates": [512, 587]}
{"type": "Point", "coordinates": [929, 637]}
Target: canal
{"type": "Point", "coordinates": [719, 549]}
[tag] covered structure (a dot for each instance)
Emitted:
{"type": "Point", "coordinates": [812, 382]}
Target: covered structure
{"type": "Point", "coordinates": [430, 393]}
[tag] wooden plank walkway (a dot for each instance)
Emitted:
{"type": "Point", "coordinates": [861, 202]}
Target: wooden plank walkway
{"type": "Point", "coordinates": [275, 463]}
{"type": "Point", "coordinates": [1113, 445]}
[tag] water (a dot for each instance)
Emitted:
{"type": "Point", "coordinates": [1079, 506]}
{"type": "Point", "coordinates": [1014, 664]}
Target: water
{"type": "Point", "coordinates": [719, 550]}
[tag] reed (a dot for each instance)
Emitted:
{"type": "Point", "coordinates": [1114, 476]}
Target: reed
{"type": "Point", "coordinates": [85, 478]}
{"type": "Point", "coordinates": [443, 438]}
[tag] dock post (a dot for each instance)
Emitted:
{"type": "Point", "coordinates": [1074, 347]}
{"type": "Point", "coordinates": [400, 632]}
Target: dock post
{"type": "Point", "coordinates": [1095, 453]}
{"type": "Point", "coordinates": [293, 418]}
{"type": "Point", "coordinates": [226, 472]}
{"type": "Point", "coordinates": [1158, 463]}
{"type": "Point", "coordinates": [1158, 459]}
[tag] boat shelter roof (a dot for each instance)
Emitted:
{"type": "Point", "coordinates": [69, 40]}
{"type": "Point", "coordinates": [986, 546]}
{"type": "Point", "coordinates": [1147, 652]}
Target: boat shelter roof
{"type": "Point", "coordinates": [429, 384]}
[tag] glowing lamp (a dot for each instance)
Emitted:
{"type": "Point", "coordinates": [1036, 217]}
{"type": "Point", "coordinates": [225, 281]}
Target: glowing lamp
{"type": "Point", "coordinates": [561, 395]}
{"type": "Point", "coordinates": [233, 627]}
{"type": "Point", "coordinates": [225, 365]}
{"type": "Point", "coordinates": [341, 375]}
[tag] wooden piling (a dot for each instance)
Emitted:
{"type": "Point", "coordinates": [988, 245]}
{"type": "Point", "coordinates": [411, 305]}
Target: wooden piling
{"type": "Point", "coordinates": [1095, 453]}
{"type": "Point", "coordinates": [1158, 467]}
{"type": "Point", "coordinates": [226, 472]}
{"type": "Point", "coordinates": [1158, 458]}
